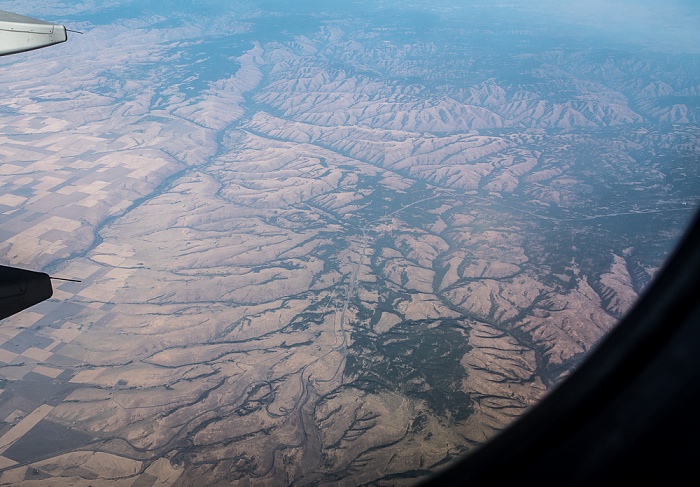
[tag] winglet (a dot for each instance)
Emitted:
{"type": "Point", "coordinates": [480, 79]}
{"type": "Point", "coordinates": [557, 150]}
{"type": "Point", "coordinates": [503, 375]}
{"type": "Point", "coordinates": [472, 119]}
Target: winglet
{"type": "Point", "coordinates": [19, 33]}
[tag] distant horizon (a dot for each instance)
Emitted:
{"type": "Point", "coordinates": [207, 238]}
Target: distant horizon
{"type": "Point", "coordinates": [670, 25]}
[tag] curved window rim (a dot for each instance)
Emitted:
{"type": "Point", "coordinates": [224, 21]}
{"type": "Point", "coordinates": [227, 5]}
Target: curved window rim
{"type": "Point", "coordinates": [629, 409]}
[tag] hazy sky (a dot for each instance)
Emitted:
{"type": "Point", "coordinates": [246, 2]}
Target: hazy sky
{"type": "Point", "coordinates": [663, 25]}
{"type": "Point", "coordinates": [672, 25]}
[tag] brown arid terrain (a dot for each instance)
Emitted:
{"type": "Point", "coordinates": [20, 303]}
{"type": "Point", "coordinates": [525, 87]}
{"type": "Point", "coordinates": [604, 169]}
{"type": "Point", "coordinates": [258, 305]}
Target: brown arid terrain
{"type": "Point", "coordinates": [348, 257]}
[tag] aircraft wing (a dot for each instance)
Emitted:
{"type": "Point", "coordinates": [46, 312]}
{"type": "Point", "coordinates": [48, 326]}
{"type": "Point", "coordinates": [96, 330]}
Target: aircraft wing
{"type": "Point", "coordinates": [20, 289]}
{"type": "Point", "coordinates": [19, 33]}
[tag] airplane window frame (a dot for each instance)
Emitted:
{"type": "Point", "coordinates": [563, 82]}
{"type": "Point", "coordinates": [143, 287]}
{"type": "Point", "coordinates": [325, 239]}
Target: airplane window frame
{"type": "Point", "coordinates": [627, 410]}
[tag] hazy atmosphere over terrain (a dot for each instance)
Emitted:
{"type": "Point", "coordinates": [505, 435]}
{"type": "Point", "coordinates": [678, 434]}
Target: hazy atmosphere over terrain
{"type": "Point", "coordinates": [326, 243]}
